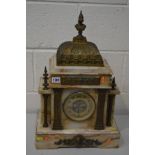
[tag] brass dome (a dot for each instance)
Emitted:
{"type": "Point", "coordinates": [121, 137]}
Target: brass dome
{"type": "Point", "coordinates": [79, 52]}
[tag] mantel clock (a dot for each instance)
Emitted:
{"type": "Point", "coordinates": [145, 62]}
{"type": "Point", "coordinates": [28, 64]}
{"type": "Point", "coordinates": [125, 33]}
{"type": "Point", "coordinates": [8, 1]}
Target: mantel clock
{"type": "Point", "coordinates": [77, 98]}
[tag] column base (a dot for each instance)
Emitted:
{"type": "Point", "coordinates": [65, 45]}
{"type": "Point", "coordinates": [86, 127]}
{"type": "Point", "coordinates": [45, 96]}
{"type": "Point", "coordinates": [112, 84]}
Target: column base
{"type": "Point", "coordinates": [45, 125]}
{"type": "Point", "coordinates": [57, 127]}
{"type": "Point", "coordinates": [99, 127]}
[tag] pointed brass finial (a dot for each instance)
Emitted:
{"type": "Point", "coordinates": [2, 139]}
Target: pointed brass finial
{"type": "Point", "coordinates": [113, 83]}
{"type": "Point", "coordinates": [80, 26]}
{"type": "Point", "coordinates": [45, 77]}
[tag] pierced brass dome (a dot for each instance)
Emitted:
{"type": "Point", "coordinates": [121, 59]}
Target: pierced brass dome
{"type": "Point", "coordinates": [79, 52]}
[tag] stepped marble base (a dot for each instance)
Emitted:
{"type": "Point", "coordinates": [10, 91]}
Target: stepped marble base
{"type": "Point", "coordinates": [46, 138]}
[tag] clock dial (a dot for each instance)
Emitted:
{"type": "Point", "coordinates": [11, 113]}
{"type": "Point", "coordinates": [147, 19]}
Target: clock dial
{"type": "Point", "coordinates": [79, 106]}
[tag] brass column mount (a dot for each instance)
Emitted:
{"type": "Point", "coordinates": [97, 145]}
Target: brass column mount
{"type": "Point", "coordinates": [110, 106]}
{"type": "Point", "coordinates": [45, 96]}
{"type": "Point", "coordinates": [57, 124]}
{"type": "Point", "coordinates": [100, 124]}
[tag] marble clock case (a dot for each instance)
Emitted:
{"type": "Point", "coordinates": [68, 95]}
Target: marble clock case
{"type": "Point", "coordinates": [97, 130]}
{"type": "Point", "coordinates": [77, 98]}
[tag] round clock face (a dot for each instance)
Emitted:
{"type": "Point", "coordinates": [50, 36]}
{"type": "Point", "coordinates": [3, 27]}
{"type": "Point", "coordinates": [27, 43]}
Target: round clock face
{"type": "Point", "coordinates": [79, 106]}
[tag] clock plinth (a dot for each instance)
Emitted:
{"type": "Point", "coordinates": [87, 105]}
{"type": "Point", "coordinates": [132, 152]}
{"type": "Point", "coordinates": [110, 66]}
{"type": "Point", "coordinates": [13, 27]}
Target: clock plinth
{"type": "Point", "coordinates": [76, 138]}
{"type": "Point", "coordinates": [77, 98]}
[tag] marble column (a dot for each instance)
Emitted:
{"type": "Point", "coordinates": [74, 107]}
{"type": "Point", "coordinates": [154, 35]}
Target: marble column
{"type": "Point", "coordinates": [110, 109]}
{"type": "Point", "coordinates": [100, 123]}
{"type": "Point", "coordinates": [57, 124]}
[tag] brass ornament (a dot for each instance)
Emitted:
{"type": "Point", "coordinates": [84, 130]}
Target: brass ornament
{"type": "Point", "coordinates": [79, 141]}
{"type": "Point", "coordinates": [79, 52]}
{"type": "Point", "coordinates": [80, 80]}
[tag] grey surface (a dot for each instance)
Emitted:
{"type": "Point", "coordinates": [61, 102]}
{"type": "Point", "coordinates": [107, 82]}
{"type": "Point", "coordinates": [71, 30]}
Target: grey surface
{"type": "Point", "coordinates": [122, 122]}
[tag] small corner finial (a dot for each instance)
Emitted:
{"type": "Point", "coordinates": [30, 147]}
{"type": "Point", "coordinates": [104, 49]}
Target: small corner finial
{"type": "Point", "coordinates": [80, 26]}
{"type": "Point", "coordinates": [45, 77]}
{"type": "Point", "coordinates": [45, 69]}
{"type": "Point", "coordinates": [113, 83]}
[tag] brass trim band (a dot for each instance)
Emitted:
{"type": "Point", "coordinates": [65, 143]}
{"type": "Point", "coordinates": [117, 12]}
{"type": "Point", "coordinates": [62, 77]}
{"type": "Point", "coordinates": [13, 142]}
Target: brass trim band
{"type": "Point", "coordinates": [80, 80]}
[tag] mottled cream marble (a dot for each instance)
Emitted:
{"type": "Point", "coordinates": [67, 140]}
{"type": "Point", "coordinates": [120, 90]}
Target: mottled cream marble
{"type": "Point", "coordinates": [46, 137]}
